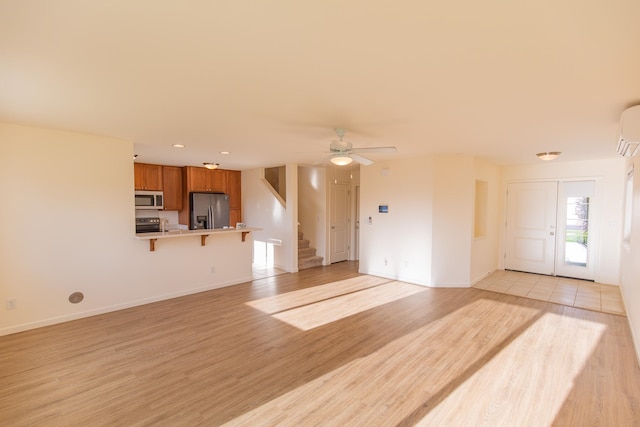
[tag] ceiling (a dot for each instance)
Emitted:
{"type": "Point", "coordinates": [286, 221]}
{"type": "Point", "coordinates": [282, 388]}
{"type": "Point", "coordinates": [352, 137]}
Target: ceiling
{"type": "Point", "coordinates": [269, 81]}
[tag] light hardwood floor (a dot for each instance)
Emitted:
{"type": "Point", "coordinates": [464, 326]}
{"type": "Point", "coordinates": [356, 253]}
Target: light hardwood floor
{"type": "Point", "coordinates": [328, 347]}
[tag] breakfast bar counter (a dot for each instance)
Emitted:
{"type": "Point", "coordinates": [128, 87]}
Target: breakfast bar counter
{"type": "Point", "coordinates": [203, 233]}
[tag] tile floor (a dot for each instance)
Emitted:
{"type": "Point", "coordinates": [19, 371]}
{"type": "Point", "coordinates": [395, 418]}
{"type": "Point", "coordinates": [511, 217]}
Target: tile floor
{"type": "Point", "coordinates": [559, 290]}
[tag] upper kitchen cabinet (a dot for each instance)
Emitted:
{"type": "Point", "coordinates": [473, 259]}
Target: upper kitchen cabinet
{"type": "Point", "coordinates": [234, 189]}
{"type": "Point", "coordinates": [147, 177]}
{"type": "Point", "coordinates": [203, 179]}
{"type": "Point", "coordinates": [172, 187]}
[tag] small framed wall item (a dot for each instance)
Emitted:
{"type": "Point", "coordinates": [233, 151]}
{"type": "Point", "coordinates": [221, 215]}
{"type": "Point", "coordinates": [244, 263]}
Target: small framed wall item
{"type": "Point", "coordinates": [383, 208]}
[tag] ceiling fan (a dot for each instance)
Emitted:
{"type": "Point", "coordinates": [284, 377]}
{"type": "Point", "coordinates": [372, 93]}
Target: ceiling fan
{"type": "Point", "coordinates": [343, 152]}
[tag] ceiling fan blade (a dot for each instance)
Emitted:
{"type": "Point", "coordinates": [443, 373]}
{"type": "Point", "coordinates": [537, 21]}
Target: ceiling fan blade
{"type": "Point", "coordinates": [323, 161]}
{"type": "Point", "coordinates": [362, 160]}
{"type": "Point", "coordinates": [375, 150]}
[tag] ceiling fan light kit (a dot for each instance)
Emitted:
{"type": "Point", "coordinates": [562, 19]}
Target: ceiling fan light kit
{"type": "Point", "coordinates": [341, 160]}
{"type": "Point", "coordinates": [343, 153]}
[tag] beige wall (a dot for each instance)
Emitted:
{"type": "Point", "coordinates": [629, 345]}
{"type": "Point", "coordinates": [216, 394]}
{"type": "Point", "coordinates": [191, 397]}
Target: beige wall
{"type": "Point", "coordinates": [630, 259]}
{"type": "Point", "coordinates": [403, 236]}
{"type": "Point", "coordinates": [68, 225]}
{"type": "Point", "coordinates": [427, 237]}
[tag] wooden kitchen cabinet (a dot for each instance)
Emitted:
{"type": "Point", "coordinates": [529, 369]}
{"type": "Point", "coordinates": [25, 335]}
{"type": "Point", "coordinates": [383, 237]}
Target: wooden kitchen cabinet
{"type": "Point", "coordinates": [234, 189]}
{"type": "Point", "coordinates": [172, 187]}
{"type": "Point", "coordinates": [203, 179]}
{"type": "Point", "coordinates": [147, 176]}
{"type": "Point", "coordinates": [235, 216]}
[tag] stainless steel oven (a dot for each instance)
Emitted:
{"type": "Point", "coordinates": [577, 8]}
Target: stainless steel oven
{"type": "Point", "coordinates": [147, 225]}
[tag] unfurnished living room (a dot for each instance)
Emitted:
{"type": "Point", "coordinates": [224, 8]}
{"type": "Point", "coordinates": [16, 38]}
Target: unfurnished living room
{"type": "Point", "coordinates": [342, 213]}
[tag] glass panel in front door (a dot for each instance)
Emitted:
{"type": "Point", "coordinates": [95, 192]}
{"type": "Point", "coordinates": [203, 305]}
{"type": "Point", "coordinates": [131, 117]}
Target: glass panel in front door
{"type": "Point", "coordinates": [576, 239]}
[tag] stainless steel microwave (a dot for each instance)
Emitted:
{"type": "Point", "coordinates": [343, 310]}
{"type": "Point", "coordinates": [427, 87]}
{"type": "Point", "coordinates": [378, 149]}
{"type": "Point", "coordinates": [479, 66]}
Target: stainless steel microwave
{"type": "Point", "coordinates": [149, 199]}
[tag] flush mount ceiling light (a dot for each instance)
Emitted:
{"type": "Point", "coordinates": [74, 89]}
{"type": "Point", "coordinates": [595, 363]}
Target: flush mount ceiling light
{"type": "Point", "coordinates": [211, 165]}
{"type": "Point", "coordinates": [341, 160]}
{"type": "Point", "coordinates": [629, 141]}
{"type": "Point", "coordinates": [225, 152]}
{"type": "Point", "coordinates": [548, 155]}
{"type": "Point", "coordinates": [178, 145]}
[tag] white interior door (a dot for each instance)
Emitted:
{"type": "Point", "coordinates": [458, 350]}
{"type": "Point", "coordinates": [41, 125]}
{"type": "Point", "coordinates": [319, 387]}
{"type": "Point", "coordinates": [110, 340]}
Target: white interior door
{"type": "Point", "coordinates": [339, 222]}
{"type": "Point", "coordinates": [531, 227]}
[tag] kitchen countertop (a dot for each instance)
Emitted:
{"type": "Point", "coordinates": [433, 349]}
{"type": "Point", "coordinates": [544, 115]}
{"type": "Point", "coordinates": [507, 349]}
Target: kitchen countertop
{"type": "Point", "coordinates": [204, 233]}
{"type": "Point", "coordinates": [184, 233]}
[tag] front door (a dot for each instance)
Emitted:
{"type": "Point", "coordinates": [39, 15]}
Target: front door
{"type": "Point", "coordinates": [550, 229]}
{"type": "Point", "coordinates": [531, 227]}
{"type": "Point", "coordinates": [339, 222]}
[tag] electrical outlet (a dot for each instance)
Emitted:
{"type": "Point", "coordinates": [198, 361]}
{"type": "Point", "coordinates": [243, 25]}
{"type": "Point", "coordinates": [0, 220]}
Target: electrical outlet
{"type": "Point", "coordinates": [213, 270]}
{"type": "Point", "coordinates": [385, 262]}
{"type": "Point", "coordinates": [11, 303]}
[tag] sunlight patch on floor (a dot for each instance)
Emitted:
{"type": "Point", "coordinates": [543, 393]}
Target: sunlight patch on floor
{"type": "Point", "coordinates": [416, 371]}
{"type": "Point", "coordinates": [289, 300]}
{"type": "Point", "coordinates": [517, 386]}
{"type": "Point", "coordinates": [321, 313]}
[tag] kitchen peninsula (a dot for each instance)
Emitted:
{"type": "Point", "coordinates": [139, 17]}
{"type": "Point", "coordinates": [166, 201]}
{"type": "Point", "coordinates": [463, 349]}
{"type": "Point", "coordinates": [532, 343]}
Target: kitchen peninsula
{"type": "Point", "coordinates": [203, 233]}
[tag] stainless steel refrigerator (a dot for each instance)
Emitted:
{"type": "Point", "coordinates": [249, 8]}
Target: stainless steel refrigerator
{"type": "Point", "coordinates": [209, 210]}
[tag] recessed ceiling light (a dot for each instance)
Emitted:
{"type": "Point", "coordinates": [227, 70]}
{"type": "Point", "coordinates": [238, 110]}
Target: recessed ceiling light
{"type": "Point", "coordinates": [211, 165]}
{"type": "Point", "coordinates": [178, 145]}
{"type": "Point", "coordinates": [548, 155]}
{"type": "Point", "coordinates": [225, 152]}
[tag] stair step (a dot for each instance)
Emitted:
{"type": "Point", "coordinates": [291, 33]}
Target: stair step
{"type": "Point", "coordinates": [303, 243]}
{"type": "Point", "coordinates": [309, 262]}
{"type": "Point", "coordinates": [306, 252]}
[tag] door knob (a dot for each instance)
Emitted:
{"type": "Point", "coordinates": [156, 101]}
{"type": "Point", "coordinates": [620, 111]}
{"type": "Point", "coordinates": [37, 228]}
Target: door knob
{"type": "Point", "coordinates": [552, 233]}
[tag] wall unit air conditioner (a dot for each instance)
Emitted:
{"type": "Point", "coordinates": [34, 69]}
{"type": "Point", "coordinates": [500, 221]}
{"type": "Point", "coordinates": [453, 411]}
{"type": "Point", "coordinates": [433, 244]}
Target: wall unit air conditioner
{"type": "Point", "coordinates": [629, 142]}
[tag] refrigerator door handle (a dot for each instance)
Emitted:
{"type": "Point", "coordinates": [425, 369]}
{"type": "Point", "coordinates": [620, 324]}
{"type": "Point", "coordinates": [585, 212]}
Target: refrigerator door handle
{"type": "Point", "coordinates": [210, 217]}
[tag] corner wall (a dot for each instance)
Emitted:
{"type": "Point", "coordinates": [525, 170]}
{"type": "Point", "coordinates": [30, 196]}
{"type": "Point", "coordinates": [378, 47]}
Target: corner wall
{"type": "Point", "coordinates": [398, 244]}
{"type": "Point", "coordinates": [69, 225]}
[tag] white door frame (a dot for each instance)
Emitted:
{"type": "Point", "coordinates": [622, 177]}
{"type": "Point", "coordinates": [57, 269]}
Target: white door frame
{"type": "Point", "coordinates": [340, 229]}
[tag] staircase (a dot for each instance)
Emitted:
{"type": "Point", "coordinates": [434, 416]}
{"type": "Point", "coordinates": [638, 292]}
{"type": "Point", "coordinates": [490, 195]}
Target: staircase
{"type": "Point", "coordinates": [306, 255]}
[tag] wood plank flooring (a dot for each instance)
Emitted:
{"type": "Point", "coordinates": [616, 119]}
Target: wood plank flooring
{"type": "Point", "coordinates": [454, 357]}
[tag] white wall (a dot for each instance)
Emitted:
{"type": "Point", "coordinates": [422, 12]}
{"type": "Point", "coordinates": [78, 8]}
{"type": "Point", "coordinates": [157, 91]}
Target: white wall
{"type": "Point", "coordinates": [453, 206]}
{"type": "Point", "coordinates": [278, 223]}
{"type": "Point", "coordinates": [484, 250]}
{"type": "Point", "coordinates": [609, 175]}
{"type": "Point", "coordinates": [630, 259]}
{"type": "Point", "coordinates": [312, 207]}
{"type": "Point", "coordinates": [68, 225]}
{"type": "Point", "coordinates": [403, 236]}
